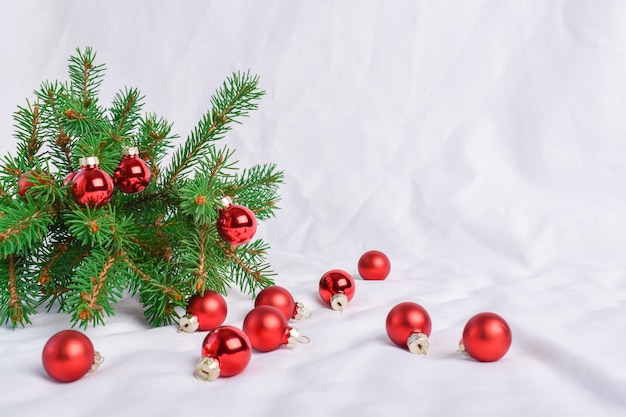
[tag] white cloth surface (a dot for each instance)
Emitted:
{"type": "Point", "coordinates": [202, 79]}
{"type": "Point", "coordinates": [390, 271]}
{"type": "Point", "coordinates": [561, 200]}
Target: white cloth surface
{"type": "Point", "coordinates": [480, 144]}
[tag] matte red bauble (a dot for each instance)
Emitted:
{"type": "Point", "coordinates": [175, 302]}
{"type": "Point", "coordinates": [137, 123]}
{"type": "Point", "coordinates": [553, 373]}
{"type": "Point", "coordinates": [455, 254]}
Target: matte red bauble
{"type": "Point", "coordinates": [267, 328]}
{"type": "Point", "coordinates": [91, 186]}
{"type": "Point", "coordinates": [236, 224]}
{"type": "Point", "coordinates": [132, 174]}
{"type": "Point", "coordinates": [486, 337]}
{"type": "Point", "coordinates": [68, 355]}
{"type": "Point", "coordinates": [282, 299]}
{"type": "Point", "coordinates": [374, 265]}
{"type": "Point", "coordinates": [204, 312]}
{"type": "Point", "coordinates": [408, 325]}
{"type": "Point", "coordinates": [336, 288]}
{"type": "Point", "coordinates": [225, 352]}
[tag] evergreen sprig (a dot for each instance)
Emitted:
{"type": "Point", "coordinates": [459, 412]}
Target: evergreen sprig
{"type": "Point", "coordinates": [161, 244]}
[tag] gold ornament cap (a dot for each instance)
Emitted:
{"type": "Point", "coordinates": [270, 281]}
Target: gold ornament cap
{"type": "Point", "coordinates": [89, 161]}
{"type": "Point", "coordinates": [418, 343]}
{"type": "Point", "coordinates": [208, 369]}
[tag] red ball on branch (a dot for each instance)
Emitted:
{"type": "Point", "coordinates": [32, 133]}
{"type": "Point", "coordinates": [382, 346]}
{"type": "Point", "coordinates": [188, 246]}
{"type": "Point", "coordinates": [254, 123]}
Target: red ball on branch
{"type": "Point", "coordinates": [91, 186]}
{"type": "Point", "coordinates": [132, 174]}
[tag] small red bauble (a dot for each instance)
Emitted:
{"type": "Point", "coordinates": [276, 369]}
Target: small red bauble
{"type": "Point", "coordinates": [282, 299]}
{"type": "Point", "coordinates": [337, 287]}
{"type": "Point", "coordinates": [374, 265]}
{"type": "Point", "coordinates": [91, 186]}
{"type": "Point", "coordinates": [486, 337]}
{"type": "Point", "coordinates": [204, 312]}
{"type": "Point", "coordinates": [408, 325]}
{"type": "Point", "coordinates": [132, 174]}
{"type": "Point", "coordinates": [68, 355]}
{"type": "Point", "coordinates": [236, 224]}
{"type": "Point", "coordinates": [30, 179]}
{"type": "Point", "coordinates": [225, 352]}
{"type": "Point", "coordinates": [267, 328]}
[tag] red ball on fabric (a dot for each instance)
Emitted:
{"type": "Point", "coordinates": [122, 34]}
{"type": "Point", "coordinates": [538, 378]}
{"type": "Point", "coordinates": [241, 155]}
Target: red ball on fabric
{"type": "Point", "coordinates": [267, 328]}
{"type": "Point", "coordinates": [68, 355]}
{"type": "Point", "coordinates": [278, 297]}
{"type": "Point", "coordinates": [132, 174]}
{"type": "Point", "coordinates": [236, 224]}
{"type": "Point", "coordinates": [336, 287]}
{"type": "Point", "coordinates": [225, 352]}
{"type": "Point", "coordinates": [486, 337]}
{"type": "Point", "coordinates": [408, 325]}
{"type": "Point", "coordinates": [91, 186]}
{"type": "Point", "coordinates": [374, 265]}
{"type": "Point", "coordinates": [204, 312]}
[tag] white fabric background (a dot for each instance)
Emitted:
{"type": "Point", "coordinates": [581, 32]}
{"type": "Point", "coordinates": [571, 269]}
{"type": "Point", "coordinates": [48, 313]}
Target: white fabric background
{"type": "Point", "coordinates": [480, 144]}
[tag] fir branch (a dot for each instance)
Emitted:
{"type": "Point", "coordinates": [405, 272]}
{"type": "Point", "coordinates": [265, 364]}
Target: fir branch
{"type": "Point", "coordinates": [154, 139]}
{"type": "Point", "coordinates": [257, 189]}
{"type": "Point", "coordinates": [125, 112]}
{"type": "Point", "coordinates": [91, 226]}
{"type": "Point", "coordinates": [58, 251]}
{"type": "Point", "coordinates": [85, 77]}
{"type": "Point", "coordinates": [58, 140]}
{"type": "Point", "coordinates": [249, 268]}
{"type": "Point", "coordinates": [27, 121]}
{"type": "Point", "coordinates": [235, 99]}
{"type": "Point", "coordinates": [16, 292]}
{"type": "Point", "coordinates": [159, 291]}
{"type": "Point", "coordinates": [198, 259]}
{"type": "Point", "coordinates": [98, 283]}
{"type": "Point", "coordinates": [22, 225]}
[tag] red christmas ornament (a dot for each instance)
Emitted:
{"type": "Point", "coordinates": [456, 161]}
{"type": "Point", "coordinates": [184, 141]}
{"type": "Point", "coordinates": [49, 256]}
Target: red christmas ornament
{"type": "Point", "coordinates": [91, 186]}
{"type": "Point", "coordinates": [132, 174]}
{"type": "Point", "coordinates": [337, 287]}
{"type": "Point", "coordinates": [235, 224]}
{"type": "Point", "coordinates": [225, 352]}
{"type": "Point", "coordinates": [68, 355]}
{"type": "Point", "coordinates": [204, 312]}
{"type": "Point", "coordinates": [408, 325]}
{"type": "Point", "coordinates": [30, 179]}
{"type": "Point", "coordinates": [282, 299]}
{"type": "Point", "coordinates": [486, 337]}
{"type": "Point", "coordinates": [374, 265]}
{"type": "Point", "coordinates": [267, 328]}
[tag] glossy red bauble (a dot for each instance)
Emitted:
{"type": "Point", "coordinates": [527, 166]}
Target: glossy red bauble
{"type": "Point", "coordinates": [132, 174]}
{"type": "Point", "coordinates": [267, 328]}
{"type": "Point", "coordinates": [336, 287]}
{"type": "Point", "coordinates": [282, 299]}
{"type": "Point", "coordinates": [204, 312]}
{"type": "Point", "coordinates": [408, 325]}
{"type": "Point", "coordinates": [91, 186]}
{"type": "Point", "coordinates": [68, 355]}
{"type": "Point", "coordinates": [236, 224]}
{"type": "Point", "coordinates": [30, 179]}
{"type": "Point", "coordinates": [486, 337]}
{"type": "Point", "coordinates": [374, 265]}
{"type": "Point", "coordinates": [225, 352]}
